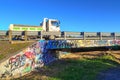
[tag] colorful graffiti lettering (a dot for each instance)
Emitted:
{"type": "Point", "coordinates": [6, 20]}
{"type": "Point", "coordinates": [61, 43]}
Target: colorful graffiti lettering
{"type": "Point", "coordinates": [116, 42]}
{"type": "Point", "coordinates": [16, 62]}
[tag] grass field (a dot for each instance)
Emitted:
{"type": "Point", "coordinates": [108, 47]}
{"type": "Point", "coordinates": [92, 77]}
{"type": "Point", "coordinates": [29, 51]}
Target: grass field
{"type": "Point", "coordinates": [6, 49]}
{"type": "Point", "coordinates": [73, 69]}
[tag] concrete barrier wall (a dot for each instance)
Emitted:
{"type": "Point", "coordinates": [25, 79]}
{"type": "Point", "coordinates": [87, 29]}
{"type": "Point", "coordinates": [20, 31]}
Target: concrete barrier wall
{"type": "Point", "coordinates": [56, 44]}
{"type": "Point", "coordinates": [26, 61]}
{"type": "Point", "coordinates": [40, 54]}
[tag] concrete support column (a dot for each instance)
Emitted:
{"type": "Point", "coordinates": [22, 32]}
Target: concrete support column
{"type": "Point", "coordinates": [58, 54]}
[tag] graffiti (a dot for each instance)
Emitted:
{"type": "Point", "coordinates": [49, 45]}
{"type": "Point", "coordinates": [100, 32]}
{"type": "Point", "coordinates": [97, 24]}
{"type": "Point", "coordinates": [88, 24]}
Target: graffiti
{"type": "Point", "coordinates": [39, 60]}
{"type": "Point", "coordinates": [116, 42]}
{"type": "Point", "coordinates": [40, 54]}
{"type": "Point", "coordinates": [28, 66]}
{"type": "Point", "coordinates": [47, 58]}
{"type": "Point", "coordinates": [57, 44]}
{"type": "Point", "coordinates": [4, 75]}
{"type": "Point", "coordinates": [36, 55]}
{"type": "Point", "coordinates": [16, 62]}
{"type": "Point", "coordinates": [101, 42]}
{"type": "Point", "coordinates": [80, 43]}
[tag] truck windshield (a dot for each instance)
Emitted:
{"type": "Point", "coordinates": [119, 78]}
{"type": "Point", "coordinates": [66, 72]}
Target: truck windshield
{"type": "Point", "coordinates": [55, 23]}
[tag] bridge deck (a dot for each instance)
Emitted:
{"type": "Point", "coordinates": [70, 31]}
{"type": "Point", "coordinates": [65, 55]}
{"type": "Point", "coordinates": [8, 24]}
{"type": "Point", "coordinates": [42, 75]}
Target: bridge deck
{"type": "Point", "coordinates": [6, 35]}
{"type": "Point", "coordinates": [60, 44]}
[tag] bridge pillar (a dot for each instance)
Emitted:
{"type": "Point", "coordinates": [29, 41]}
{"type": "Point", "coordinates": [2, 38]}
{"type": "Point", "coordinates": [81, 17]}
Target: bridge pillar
{"type": "Point", "coordinates": [58, 54]}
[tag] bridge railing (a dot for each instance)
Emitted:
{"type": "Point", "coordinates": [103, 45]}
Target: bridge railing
{"type": "Point", "coordinates": [62, 35]}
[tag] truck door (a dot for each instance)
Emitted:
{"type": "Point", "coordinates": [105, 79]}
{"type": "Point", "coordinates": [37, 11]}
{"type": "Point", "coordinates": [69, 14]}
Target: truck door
{"type": "Point", "coordinates": [53, 25]}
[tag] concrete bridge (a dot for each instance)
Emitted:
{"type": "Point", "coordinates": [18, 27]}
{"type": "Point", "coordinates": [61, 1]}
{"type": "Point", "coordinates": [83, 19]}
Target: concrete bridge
{"type": "Point", "coordinates": [59, 44]}
{"type": "Point", "coordinates": [42, 53]}
{"type": "Point", "coordinates": [35, 35]}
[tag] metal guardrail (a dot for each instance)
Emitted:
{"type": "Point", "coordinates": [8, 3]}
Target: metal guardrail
{"type": "Point", "coordinates": [65, 35]}
{"type": "Point", "coordinates": [3, 32]}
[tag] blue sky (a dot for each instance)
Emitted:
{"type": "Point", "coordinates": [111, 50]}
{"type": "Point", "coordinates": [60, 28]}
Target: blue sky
{"type": "Point", "coordinates": [74, 15]}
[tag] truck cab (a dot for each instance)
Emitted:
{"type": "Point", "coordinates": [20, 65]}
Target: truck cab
{"type": "Point", "coordinates": [49, 25]}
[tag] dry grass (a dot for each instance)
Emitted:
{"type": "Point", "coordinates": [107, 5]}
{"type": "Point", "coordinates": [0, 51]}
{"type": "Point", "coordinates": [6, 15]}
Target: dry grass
{"type": "Point", "coordinates": [7, 49]}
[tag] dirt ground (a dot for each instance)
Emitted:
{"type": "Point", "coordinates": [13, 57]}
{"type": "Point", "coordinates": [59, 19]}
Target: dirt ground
{"type": "Point", "coordinates": [110, 74]}
{"type": "Point", "coordinates": [94, 54]}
